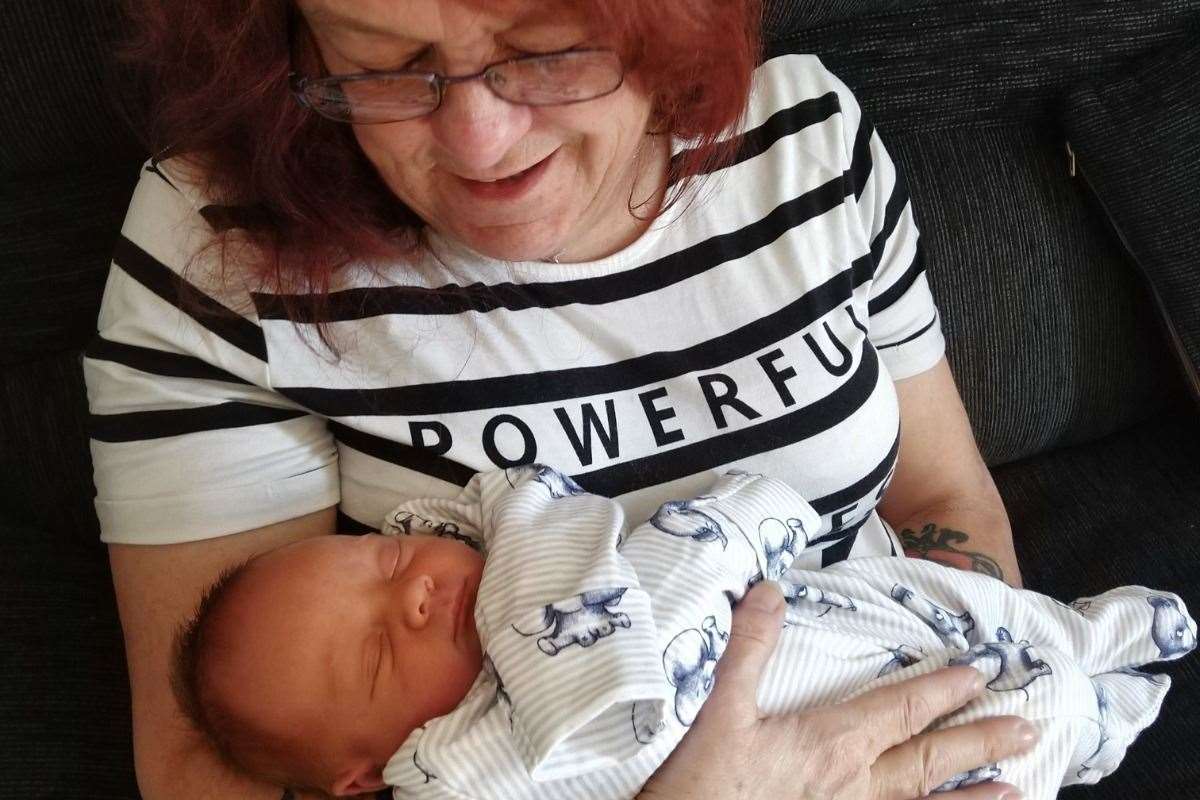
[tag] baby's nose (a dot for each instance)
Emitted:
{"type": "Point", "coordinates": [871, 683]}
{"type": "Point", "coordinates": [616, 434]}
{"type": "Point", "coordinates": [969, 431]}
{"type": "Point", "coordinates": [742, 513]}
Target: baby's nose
{"type": "Point", "coordinates": [418, 601]}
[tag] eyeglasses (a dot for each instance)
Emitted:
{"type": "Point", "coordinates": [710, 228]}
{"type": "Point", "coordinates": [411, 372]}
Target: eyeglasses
{"type": "Point", "coordinates": [553, 79]}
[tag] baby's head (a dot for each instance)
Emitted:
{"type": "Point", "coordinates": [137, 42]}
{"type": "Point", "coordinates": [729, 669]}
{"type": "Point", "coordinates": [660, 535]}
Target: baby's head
{"type": "Point", "coordinates": [310, 665]}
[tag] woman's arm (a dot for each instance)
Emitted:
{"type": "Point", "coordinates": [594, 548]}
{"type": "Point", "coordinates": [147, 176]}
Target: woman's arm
{"type": "Point", "coordinates": [157, 588]}
{"type": "Point", "coordinates": [868, 748]}
{"type": "Point", "coordinates": [942, 501]}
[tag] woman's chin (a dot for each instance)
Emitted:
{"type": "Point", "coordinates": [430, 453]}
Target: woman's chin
{"type": "Point", "coordinates": [514, 242]}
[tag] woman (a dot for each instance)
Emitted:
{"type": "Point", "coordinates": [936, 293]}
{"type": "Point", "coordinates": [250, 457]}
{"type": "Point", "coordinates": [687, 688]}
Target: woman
{"type": "Point", "coordinates": [395, 278]}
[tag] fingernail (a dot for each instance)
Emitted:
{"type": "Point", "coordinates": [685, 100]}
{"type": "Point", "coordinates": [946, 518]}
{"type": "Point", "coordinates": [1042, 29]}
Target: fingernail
{"type": "Point", "coordinates": [978, 681]}
{"type": "Point", "coordinates": [1028, 733]}
{"type": "Point", "coordinates": [1011, 794]}
{"type": "Point", "coordinates": [766, 601]}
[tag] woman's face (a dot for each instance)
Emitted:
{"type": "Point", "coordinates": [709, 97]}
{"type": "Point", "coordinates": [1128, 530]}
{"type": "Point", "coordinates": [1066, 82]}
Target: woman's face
{"type": "Point", "coordinates": [585, 157]}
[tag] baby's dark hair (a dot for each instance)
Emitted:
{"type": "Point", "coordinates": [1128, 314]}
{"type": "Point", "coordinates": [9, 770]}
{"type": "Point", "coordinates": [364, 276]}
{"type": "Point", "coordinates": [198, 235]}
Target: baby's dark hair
{"type": "Point", "coordinates": [241, 746]}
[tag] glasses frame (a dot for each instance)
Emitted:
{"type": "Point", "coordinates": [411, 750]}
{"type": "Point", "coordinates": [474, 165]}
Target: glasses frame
{"type": "Point", "coordinates": [298, 83]}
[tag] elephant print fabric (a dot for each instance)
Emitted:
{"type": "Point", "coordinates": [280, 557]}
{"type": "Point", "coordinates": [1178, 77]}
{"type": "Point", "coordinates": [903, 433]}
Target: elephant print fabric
{"type": "Point", "coordinates": [685, 519]}
{"type": "Point", "coordinates": [781, 541]}
{"type": "Point", "coordinates": [902, 656]}
{"type": "Point", "coordinates": [583, 620]}
{"type": "Point", "coordinates": [689, 662]}
{"type": "Point", "coordinates": [1170, 629]}
{"type": "Point", "coordinates": [1008, 663]}
{"type": "Point", "coordinates": [559, 484]}
{"type": "Point", "coordinates": [972, 778]}
{"type": "Point", "coordinates": [812, 601]}
{"type": "Point", "coordinates": [952, 628]}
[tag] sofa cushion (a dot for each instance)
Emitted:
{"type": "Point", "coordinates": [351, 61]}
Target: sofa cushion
{"type": "Point", "coordinates": [57, 231]}
{"type": "Point", "coordinates": [1136, 138]}
{"type": "Point", "coordinates": [60, 83]}
{"type": "Point", "coordinates": [64, 710]}
{"type": "Point", "coordinates": [1050, 332]}
{"type": "Point", "coordinates": [44, 455]}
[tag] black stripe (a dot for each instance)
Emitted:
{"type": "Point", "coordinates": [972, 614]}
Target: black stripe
{"type": "Point", "coordinates": [550, 386]}
{"type": "Point", "coordinates": [897, 289]}
{"type": "Point", "coordinates": [861, 161]}
{"type": "Point", "coordinates": [897, 202]}
{"type": "Point", "coordinates": [152, 168]}
{"type": "Point", "coordinates": [908, 339]}
{"type": "Point", "coordinates": [139, 426]}
{"type": "Point", "coordinates": [404, 455]}
{"type": "Point", "coordinates": [725, 448]}
{"type": "Point", "coordinates": [782, 123]}
{"type": "Point", "coordinates": [840, 551]}
{"type": "Point", "coordinates": [151, 273]}
{"type": "Point", "coordinates": [158, 362]}
{"type": "Point", "coordinates": [360, 303]}
{"type": "Point", "coordinates": [630, 476]}
{"type": "Point", "coordinates": [854, 492]}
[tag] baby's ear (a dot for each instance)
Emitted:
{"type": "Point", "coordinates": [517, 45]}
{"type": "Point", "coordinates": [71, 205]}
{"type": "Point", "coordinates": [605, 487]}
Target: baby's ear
{"type": "Point", "coordinates": [360, 777]}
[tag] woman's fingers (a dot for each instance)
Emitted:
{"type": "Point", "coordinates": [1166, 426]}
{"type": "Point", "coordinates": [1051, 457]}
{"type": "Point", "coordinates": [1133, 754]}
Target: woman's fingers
{"type": "Point", "coordinates": [896, 713]}
{"type": "Point", "coordinates": [753, 634]}
{"type": "Point", "coordinates": [920, 765]}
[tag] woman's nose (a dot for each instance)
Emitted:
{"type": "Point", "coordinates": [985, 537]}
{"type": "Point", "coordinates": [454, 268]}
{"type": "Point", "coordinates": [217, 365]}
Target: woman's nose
{"type": "Point", "coordinates": [417, 601]}
{"type": "Point", "coordinates": [476, 128]}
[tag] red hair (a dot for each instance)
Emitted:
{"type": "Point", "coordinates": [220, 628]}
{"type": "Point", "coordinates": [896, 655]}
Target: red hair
{"type": "Point", "coordinates": [298, 185]}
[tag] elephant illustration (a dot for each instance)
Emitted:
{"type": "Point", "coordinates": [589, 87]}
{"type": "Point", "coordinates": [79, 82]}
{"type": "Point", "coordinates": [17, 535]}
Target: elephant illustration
{"type": "Point", "coordinates": [1102, 721]}
{"type": "Point", "coordinates": [902, 656]}
{"type": "Point", "coordinates": [502, 698]}
{"type": "Point", "coordinates": [964, 779]}
{"type": "Point", "coordinates": [1008, 662]}
{"type": "Point", "coordinates": [560, 484]}
{"type": "Point", "coordinates": [405, 521]}
{"type": "Point", "coordinates": [429, 776]}
{"type": "Point", "coordinates": [647, 721]}
{"type": "Point", "coordinates": [689, 662]}
{"type": "Point", "coordinates": [812, 600]}
{"type": "Point", "coordinates": [583, 620]}
{"type": "Point", "coordinates": [1170, 629]}
{"type": "Point", "coordinates": [952, 628]}
{"type": "Point", "coordinates": [683, 518]}
{"type": "Point", "coordinates": [781, 541]}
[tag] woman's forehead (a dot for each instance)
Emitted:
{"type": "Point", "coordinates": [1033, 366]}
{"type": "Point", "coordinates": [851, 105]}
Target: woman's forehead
{"type": "Point", "coordinates": [430, 20]}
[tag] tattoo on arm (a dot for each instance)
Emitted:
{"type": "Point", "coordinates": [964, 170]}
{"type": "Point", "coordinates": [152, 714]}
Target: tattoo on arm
{"type": "Point", "coordinates": [938, 544]}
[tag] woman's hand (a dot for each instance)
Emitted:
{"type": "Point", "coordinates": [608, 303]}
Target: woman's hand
{"type": "Point", "coordinates": [868, 748]}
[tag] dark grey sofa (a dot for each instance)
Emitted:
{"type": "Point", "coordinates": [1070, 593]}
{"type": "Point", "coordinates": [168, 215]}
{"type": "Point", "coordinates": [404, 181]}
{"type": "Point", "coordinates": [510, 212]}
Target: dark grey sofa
{"type": "Point", "coordinates": [1077, 395]}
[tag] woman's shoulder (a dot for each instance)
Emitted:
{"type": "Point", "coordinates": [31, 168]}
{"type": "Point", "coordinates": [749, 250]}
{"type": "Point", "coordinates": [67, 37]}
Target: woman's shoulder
{"type": "Point", "coordinates": [786, 80]}
{"type": "Point", "coordinates": [168, 228]}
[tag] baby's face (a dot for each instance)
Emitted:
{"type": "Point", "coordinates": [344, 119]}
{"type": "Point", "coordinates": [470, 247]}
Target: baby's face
{"type": "Point", "coordinates": [356, 641]}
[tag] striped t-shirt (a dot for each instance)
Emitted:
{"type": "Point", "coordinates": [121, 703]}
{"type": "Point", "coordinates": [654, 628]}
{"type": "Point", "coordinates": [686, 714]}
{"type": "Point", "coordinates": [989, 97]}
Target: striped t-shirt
{"type": "Point", "coordinates": [759, 327]}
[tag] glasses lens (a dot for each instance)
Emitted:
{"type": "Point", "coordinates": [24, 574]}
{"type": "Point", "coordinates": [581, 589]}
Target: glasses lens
{"type": "Point", "coordinates": [367, 100]}
{"type": "Point", "coordinates": [556, 79]}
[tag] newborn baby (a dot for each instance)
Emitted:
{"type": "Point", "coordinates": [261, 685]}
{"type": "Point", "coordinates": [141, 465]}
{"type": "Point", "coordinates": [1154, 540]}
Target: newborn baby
{"type": "Point", "coordinates": [575, 662]}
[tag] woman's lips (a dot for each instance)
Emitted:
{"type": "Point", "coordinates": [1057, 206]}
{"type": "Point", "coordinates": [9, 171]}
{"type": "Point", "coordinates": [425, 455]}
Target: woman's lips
{"type": "Point", "coordinates": [509, 188]}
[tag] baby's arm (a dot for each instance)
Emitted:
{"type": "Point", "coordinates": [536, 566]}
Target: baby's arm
{"type": "Point", "coordinates": [563, 617]}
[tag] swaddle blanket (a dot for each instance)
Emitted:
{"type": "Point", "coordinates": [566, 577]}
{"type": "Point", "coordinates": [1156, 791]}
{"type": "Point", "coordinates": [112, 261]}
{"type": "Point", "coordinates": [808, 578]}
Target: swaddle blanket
{"type": "Point", "coordinates": [601, 641]}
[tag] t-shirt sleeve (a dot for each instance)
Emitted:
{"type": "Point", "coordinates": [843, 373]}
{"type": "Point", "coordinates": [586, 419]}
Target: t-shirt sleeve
{"type": "Point", "coordinates": [904, 325]}
{"type": "Point", "coordinates": [188, 439]}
